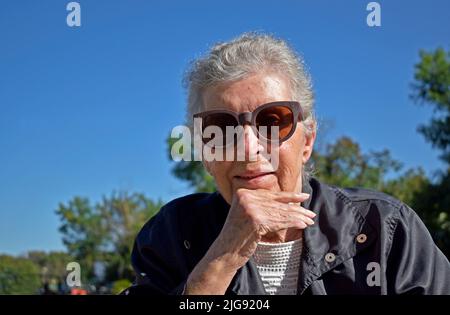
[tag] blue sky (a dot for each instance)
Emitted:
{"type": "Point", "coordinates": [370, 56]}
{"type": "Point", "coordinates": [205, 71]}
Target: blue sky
{"type": "Point", "coordinates": [85, 111]}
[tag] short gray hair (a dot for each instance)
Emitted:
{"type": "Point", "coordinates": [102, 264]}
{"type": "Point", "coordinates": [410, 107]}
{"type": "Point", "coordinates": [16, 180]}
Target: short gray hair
{"type": "Point", "coordinates": [243, 56]}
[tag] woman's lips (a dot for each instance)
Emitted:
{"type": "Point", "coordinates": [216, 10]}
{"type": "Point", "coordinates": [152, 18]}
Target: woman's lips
{"type": "Point", "coordinates": [248, 177]}
{"type": "Point", "coordinates": [254, 179]}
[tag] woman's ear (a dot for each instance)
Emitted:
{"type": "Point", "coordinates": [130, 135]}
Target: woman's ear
{"type": "Point", "coordinates": [309, 144]}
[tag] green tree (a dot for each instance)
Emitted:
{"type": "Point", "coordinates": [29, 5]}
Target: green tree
{"type": "Point", "coordinates": [120, 285]}
{"type": "Point", "coordinates": [431, 87]}
{"type": "Point", "coordinates": [123, 215]}
{"type": "Point", "coordinates": [432, 203]}
{"type": "Point", "coordinates": [105, 232]}
{"type": "Point", "coordinates": [191, 171]}
{"type": "Point", "coordinates": [18, 275]}
{"type": "Point", "coordinates": [343, 164]}
{"type": "Point", "coordinates": [406, 186]}
{"type": "Point", "coordinates": [84, 233]}
{"type": "Point", "coordinates": [52, 265]}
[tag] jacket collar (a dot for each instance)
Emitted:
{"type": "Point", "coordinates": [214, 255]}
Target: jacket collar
{"type": "Point", "coordinates": [338, 222]}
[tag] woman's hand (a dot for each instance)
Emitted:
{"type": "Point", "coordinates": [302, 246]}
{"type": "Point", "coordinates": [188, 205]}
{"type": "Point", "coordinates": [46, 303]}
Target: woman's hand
{"type": "Point", "coordinates": [253, 214]}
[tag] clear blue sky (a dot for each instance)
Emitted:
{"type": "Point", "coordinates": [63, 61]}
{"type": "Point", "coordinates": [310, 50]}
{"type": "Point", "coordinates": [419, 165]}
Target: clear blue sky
{"type": "Point", "coordinates": [86, 110]}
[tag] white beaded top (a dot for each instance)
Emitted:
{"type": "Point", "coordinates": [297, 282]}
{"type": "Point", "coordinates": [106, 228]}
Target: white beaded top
{"type": "Point", "coordinates": [278, 265]}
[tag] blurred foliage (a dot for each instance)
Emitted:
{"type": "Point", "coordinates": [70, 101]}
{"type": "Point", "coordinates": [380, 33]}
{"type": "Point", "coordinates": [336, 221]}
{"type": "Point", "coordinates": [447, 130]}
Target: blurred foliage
{"type": "Point", "coordinates": [120, 285]}
{"type": "Point", "coordinates": [191, 171]}
{"type": "Point", "coordinates": [52, 265]}
{"type": "Point", "coordinates": [432, 87]}
{"type": "Point", "coordinates": [432, 203]}
{"type": "Point", "coordinates": [83, 233]}
{"type": "Point", "coordinates": [105, 232]}
{"type": "Point", "coordinates": [194, 173]}
{"type": "Point", "coordinates": [18, 275]}
{"type": "Point", "coordinates": [343, 164]}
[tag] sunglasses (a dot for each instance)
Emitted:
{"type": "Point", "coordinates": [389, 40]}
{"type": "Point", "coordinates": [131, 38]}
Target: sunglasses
{"type": "Point", "coordinates": [283, 115]}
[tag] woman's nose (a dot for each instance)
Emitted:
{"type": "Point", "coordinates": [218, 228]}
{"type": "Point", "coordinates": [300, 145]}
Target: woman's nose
{"type": "Point", "coordinates": [252, 145]}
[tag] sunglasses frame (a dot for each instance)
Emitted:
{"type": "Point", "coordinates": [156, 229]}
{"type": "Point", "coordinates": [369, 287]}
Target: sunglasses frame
{"type": "Point", "coordinates": [250, 117]}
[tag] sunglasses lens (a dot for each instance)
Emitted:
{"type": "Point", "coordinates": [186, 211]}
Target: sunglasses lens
{"type": "Point", "coordinates": [276, 116]}
{"type": "Point", "coordinates": [218, 121]}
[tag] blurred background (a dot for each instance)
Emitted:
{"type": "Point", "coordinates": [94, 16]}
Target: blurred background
{"type": "Point", "coordinates": [86, 112]}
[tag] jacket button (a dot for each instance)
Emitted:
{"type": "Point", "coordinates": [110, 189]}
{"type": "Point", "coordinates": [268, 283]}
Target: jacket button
{"type": "Point", "coordinates": [361, 238]}
{"type": "Point", "coordinates": [187, 244]}
{"type": "Point", "coordinates": [330, 257]}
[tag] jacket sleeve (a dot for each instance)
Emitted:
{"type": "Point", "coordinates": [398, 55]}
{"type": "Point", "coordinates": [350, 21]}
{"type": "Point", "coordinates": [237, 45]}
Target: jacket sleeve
{"type": "Point", "coordinates": [415, 264]}
{"type": "Point", "coordinates": [156, 258]}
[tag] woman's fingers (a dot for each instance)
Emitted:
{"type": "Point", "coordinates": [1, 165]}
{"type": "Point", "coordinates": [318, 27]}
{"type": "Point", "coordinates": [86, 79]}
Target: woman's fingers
{"type": "Point", "coordinates": [284, 196]}
{"type": "Point", "coordinates": [277, 210]}
{"type": "Point", "coordinates": [298, 222]}
{"type": "Point", "coordinates": [294, 214]}
{"type": "Point", "coordinates": [300, 209]}
{"type": "Point", "coordinates": [287, 212]}
{"type": "Point", "coordinates": [305, 219]}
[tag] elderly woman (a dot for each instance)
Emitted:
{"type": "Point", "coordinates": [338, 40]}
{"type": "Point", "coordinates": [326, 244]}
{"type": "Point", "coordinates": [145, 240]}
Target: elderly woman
{"type": "Point", "coordinates": [275, 229]}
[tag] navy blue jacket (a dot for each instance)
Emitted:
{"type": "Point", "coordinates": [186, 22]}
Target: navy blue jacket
{"type": "Point", "coordinates": [362, 242]}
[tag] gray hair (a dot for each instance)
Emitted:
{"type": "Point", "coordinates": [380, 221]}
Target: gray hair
{"type": "Point", "coordinates": [243, 56]}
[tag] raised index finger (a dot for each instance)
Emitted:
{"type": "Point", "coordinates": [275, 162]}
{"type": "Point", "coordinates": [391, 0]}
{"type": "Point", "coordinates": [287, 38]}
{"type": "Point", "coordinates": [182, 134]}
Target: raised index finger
{"type": "Point", "coordinates": [286, 196]}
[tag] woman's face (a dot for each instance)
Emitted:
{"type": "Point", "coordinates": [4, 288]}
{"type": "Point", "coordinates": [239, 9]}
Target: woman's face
{"type": "Point", "coordinates": [256, 172]}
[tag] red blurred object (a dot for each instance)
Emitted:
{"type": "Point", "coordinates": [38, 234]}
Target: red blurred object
{"type": "Point", "coordinates": [78, 291]}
